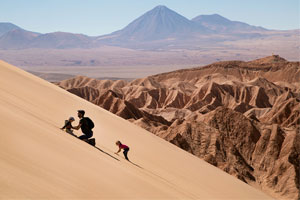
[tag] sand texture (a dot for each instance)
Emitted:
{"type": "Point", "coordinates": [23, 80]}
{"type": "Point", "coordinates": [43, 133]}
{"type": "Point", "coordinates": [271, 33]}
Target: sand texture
{"type": "Point", "coordinates": [38, 160]}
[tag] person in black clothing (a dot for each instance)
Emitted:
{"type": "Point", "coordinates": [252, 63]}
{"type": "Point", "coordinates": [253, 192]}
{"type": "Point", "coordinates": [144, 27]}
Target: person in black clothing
{"type": "Point", "coordinates": [83, 124]}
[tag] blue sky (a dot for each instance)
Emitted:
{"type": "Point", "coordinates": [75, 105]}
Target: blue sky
{"type": "Point", "coordinates": [98, 17]}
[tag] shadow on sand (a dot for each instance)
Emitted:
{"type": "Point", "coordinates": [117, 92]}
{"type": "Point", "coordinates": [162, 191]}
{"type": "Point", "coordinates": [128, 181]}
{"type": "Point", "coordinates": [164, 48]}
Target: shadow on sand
{"type": "Point", "coordinates": [135, 164]}
{"type": "Point", "coordinates": [107, 153]}
{"type": "Point", "coordinates": [72, 134]}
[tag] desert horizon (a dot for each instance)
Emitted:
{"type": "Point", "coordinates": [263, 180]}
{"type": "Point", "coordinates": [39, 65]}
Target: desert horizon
{"type": "Point", "coordinates": [159, 37]}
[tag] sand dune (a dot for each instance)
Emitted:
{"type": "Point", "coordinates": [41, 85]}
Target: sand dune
{"type": "Point", "coordinates": [38, 160]}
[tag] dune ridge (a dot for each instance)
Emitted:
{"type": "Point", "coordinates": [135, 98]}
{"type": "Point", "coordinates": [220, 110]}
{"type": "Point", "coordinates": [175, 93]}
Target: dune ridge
{"type": "Point", "coordinates": [39, 161]}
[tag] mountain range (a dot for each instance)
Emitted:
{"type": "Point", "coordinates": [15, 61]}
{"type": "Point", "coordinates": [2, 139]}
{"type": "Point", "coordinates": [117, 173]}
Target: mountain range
{"type": "Point", "coordinates": [157, 27]}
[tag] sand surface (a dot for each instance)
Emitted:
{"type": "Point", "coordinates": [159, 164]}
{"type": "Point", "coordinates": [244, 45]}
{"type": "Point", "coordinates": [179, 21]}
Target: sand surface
{"type": "Point", "coordinates": [38, 160]}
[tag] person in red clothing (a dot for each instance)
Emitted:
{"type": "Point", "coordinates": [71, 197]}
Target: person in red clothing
{"type": "Point", "coordinates": [124, 147]}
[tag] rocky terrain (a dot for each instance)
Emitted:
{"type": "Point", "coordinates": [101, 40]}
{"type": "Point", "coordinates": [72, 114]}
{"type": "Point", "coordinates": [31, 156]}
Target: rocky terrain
{"type": "Point", "coordinates": [242, 117]}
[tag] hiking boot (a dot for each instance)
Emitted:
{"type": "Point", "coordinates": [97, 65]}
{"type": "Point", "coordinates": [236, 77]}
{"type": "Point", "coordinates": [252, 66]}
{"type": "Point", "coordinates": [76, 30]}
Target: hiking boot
{"type": "Point", "coordinates": [92, 141]}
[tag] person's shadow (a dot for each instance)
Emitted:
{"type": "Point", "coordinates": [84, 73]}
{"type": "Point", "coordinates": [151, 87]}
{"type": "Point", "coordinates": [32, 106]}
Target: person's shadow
{"type": "Point", "coordinates": [93, 146]}
{"type": "Point", "coordinates": [135, 164]}
{"type": "Point", "coordinates": [106, 153]}
{"type": "Point", "coordinates": [117, 158]}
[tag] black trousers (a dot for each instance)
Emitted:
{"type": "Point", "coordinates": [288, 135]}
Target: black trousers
{"type": "Point", "coordinates": [125, 153]}
{"type": "Point", "coordinates": [86, 135]}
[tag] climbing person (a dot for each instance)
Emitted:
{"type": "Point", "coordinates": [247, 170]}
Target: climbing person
{"type": "Point", "coordinates": [124, 147]}
{"type": "Point", "coordinates": [68, 125]}
{"type": "Point", "coordinates": [86, 125]}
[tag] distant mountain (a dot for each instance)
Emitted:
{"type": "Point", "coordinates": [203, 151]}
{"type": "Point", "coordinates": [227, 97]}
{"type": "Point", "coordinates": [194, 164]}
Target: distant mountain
{"type": "Point", "coordinates": [6, 27]}
{"type": "Point", "coordinates": [221, 24]}
{"type": "Point", "coordinates": [160, 28]}
{"type": "Point", "coordinates": [17, 39]}
{"type": "Point", "coordinates": [158, 23]}
{"type": "Point", "coordinates": [61, 40]}
{"type": "Point", "coordinates": [21, 39]}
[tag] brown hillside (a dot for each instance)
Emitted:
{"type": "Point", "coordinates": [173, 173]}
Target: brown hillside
{"type": "Point", "coordinates": [242, 117]}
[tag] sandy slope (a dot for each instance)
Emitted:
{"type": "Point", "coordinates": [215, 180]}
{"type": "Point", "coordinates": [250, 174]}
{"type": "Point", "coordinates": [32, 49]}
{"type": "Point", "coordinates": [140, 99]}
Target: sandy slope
{"type": "Point", "coordinates": [39, 161]}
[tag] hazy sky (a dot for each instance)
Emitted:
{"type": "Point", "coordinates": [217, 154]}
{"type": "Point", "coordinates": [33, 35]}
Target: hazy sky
{"type": "Point", "coordinates": [98, 17]}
